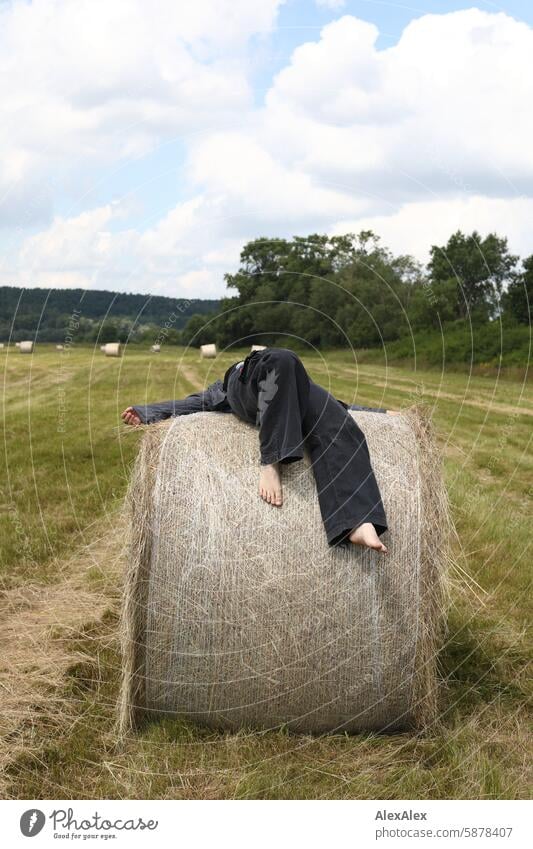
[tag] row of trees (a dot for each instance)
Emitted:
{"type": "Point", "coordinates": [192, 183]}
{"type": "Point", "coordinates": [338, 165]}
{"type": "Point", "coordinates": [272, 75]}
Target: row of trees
{"type": "Point", "coordinates": [86, 330]}
{"type": "Point", "coordinates": [95, 316]}
{"type": "Point", "coordinates": [326, 291]}
{"type": "Point", "coordinates": [331, 291]}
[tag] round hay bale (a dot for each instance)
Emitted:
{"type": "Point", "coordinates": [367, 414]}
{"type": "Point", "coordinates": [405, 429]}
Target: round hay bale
{"type": "Point", "coordinates": [112, 349]}
{"type": "Point", "coordinates": [2, 345]}
{"type": "Point", "coordinates": [258, 348]}
{"type": "Point", "coordinates": [59, 347]}
{"type": "Point", "coordinates": [17, 344]}
{"type": "Point", "coordinates": [208, 351]}
{"type": "Point", "coordinates": [25, 347]}
{"type": "Point", "coordinates": [239, 615]}
{"type": "Point", "coordinates": [155, 349]}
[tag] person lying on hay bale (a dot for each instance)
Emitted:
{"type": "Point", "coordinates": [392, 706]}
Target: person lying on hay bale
{"type": "Point", "coordinates": [271, 389]}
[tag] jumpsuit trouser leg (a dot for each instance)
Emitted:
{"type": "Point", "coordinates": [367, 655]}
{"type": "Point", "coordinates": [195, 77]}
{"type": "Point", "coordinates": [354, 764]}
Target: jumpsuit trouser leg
{"type": "Point", "coordinates": [274, 390]}
{"type": "Point", "coordinates": [348, 492]}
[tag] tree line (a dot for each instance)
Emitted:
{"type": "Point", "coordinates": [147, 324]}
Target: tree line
{"type": "Point", "coordinates": [321, 291]}
{"type": "Point", "coordinates": [45, 315]}
{"type": "Point", "coordinates": [350, 290]}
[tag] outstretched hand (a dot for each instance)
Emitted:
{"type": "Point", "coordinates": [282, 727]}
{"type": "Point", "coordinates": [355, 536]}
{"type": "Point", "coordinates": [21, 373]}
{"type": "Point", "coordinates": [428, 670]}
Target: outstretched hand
{"type": "Point", "coordinates": [131, 417]}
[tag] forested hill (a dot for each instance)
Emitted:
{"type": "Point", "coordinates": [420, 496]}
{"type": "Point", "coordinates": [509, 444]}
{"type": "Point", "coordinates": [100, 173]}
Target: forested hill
{"type": "Point", "coordinates": [101, 315]}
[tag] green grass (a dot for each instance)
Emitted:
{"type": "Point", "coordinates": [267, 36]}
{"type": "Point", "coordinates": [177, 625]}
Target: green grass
{"type": "Point", "coordinates": [65, 469]}
{"type": "Point", "coordinates": [462, 346]}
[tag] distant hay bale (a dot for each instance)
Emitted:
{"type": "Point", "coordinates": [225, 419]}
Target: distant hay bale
{"type": "Point", "coordinates": [17, 344]}
{"type": "Point", "coordinates": [59, 347]}
{"type": "Point", "coordinates": [239, 615]}
{"type": "Point", "coordinates": [102, 347]}
{"type": "Point", "coordinates": [155, 349]}
{"type": "Point", "coordinates": [208, 351]}
{"type": "Point", "coordinates": [112, 349]}
{"type": "Point", "coordinates": [25, 347]}
{"type": "Point", "coordinates": [258, 348]}
{"type": "Point", "coordinates": [1, 344]}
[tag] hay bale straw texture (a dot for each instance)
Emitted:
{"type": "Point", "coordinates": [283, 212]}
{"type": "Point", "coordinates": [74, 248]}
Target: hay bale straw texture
{"type": "Point", "coordinates": [26, 347]}
{"type": "Point", "coordinates": [113, 349]}
{"type": "Point", "coordinates": [238, 615]}
{"type": "Point", "coordinates": [208, 351]}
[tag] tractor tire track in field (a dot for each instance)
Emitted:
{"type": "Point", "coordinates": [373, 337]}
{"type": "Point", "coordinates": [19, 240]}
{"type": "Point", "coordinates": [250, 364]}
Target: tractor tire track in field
{"type": "Point", "coordinates": [407, 385]}
{"type": "Point", "coordinates": [39, 621]}
{"type": "Point", "coordinates": [37, 624]}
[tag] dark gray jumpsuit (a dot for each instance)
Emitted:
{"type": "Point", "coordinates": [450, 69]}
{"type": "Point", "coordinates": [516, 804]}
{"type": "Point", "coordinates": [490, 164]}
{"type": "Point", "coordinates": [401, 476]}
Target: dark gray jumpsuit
{"type": "Point", "coordinates": [273, 390]}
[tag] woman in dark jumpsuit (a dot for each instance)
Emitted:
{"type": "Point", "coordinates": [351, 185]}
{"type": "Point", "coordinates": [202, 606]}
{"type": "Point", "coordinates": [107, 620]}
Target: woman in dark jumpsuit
{"type": "Point", "coordinates": [272, 389]}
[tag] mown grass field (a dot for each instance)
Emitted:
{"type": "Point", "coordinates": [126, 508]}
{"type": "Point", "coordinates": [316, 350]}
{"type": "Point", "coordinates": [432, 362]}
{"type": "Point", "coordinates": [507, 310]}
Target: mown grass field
{"type": "Point", "coordinates": [65, 468]}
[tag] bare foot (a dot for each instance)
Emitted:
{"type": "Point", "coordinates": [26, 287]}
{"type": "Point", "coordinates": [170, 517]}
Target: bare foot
{"type": "Point", "coordinates": [270, 485]}
{"type": "Point", "coordinates": [366, 534]}
{"type": "Point", "coordinates": [130, 417]}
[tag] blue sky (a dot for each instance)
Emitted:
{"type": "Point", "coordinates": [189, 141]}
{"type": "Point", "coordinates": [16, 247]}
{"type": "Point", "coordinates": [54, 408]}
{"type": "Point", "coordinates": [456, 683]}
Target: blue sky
{"type": "Point", "coordinates": [141, 151]}
{"type": "Point", "coordinates": [301, 20]}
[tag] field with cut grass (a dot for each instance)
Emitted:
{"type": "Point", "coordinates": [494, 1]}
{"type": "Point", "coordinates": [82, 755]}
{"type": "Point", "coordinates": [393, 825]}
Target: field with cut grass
{"type": "Point", "coordinates": [65, 463]}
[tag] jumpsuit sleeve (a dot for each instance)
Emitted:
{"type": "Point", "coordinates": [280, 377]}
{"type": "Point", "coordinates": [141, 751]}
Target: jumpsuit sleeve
{"type": "Point", "coordinates": [367, 409]}
{"type": "Point", "coordinates": [359, 407]}
{"type": "Point", "coordinates": [212, 399]}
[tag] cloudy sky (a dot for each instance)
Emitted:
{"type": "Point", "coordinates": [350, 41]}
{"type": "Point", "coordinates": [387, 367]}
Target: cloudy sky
{"type": "Point", "coordinates": [142, 144]}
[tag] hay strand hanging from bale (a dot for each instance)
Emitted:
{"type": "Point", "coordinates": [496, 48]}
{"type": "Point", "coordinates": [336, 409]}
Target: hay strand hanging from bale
{"type": "Point", "coordinates": [236, 614]}
{"type": "Point", "coordinates": [208, 351]}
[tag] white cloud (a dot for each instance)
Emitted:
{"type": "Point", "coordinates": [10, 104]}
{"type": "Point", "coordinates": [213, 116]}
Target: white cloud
{"type": "Point", "coordinates": [82, 248]}
{"type": "Point", "coordinates": [415, 141]}
{"type": "Point", "coordinates": [259, 186]}
{"type": "Point", "coordinates": [331, 4]}
{"type": "Point", "coordinates": [203, 280]}
{"type": "Point", "coordinates": [453, 88]}
{"type": "Point", "coordinates": [96, 81]}
{"type": "Point", "coordinates": [88, 250]}
{"type": "Point", "coordinates": [413, 228]}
